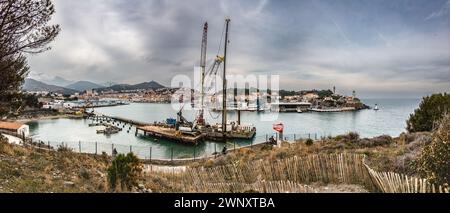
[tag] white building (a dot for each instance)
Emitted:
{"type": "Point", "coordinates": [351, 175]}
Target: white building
{"type": "Point", "coordinates": [15, 127]}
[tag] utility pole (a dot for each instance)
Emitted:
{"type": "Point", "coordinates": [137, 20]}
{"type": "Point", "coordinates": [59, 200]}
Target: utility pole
{"type": "Point", "coordinates": [224, 86]}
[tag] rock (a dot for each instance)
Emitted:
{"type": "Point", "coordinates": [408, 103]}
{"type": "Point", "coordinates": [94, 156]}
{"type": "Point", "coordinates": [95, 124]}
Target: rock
{"type": "Point", "coordinates": [69, 184]}
{"type": "Point", "coordinates": [141, 186]}
{"type": "Point", "coordinates": [101, 174]}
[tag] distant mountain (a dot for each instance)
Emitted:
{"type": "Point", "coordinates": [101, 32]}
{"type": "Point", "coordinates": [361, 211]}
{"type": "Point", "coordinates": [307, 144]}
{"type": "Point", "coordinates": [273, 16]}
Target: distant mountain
{"type": "Point", "coordinates": [33, 85]}
{"type": "Point", "coordinates": [58, 81]}
{"type": "Point", "coordinates": [83, 86]}
{"type": "Point", "coordinates": [142, 86]}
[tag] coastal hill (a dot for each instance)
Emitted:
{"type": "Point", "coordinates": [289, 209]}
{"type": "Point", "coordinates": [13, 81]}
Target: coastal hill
{"type": "Point", "coordinates": [57, 81]}
{"type": "Point", "coordinates": [142, 86]}
{"type": "Point", "coordinates": [84, 85]}
{"type": "Point", "coordinates": [34, 85]}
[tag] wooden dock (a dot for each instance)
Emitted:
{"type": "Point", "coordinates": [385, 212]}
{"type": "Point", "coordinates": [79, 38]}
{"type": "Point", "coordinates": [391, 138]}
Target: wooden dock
{"type": "Point", "coordinates": [116, 118]}
{"type": "Point", "coordinates": [170, 134]}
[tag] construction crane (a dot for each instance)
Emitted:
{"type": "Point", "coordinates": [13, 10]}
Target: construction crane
{"type": "Point", "coordinates": [200, 119]}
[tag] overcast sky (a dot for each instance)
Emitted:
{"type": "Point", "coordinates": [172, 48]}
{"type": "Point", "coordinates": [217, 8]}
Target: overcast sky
{"type": "Point", "coordinates": [379, 48]}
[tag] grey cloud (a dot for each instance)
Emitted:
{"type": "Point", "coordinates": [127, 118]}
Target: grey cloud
{"type": "Point", "coordinates": [309, 43]}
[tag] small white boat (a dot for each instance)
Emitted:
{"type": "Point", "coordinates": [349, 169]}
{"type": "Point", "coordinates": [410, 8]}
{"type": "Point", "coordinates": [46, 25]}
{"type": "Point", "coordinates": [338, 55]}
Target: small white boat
{"type": "Point", "coordinates": [376, 107]}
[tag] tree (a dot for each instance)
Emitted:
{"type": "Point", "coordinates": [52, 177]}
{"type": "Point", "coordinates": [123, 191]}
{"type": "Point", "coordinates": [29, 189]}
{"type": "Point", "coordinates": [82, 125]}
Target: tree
{"type": "Point", "coordinates": [125, 171]}
{"type": "Point", "coordinates": [23, 26]}
{"type": "Point", "coordinates": [434, 163]}
{"type": "Point", "coordinates": [23, 29]}
{"type": "Point", "coordinates": [431, 109]}
{"type": "Point", "coordinates": [12, 74]}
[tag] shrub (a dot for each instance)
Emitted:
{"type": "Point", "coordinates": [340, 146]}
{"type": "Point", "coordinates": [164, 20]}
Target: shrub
{"type": "Point", "coordinates": [351, 137]}
{"type": "Point", "coordinates": [124, 170]}
{"type": "Point", "coordinates": [431, 110]}
{"type": "Point", "coordinates": [84, 173]}
{"type": "Point", "coordinates": [64, 148]}
{"type": "Point", "coordinates": [309, 142]}
{"type": "Point", "coordinates": [376, 141]}
{"type": "Point", "coordinates": [434, 162]}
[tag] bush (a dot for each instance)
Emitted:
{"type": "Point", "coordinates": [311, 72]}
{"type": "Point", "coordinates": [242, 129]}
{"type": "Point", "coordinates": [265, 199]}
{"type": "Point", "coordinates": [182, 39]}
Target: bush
{"type": "Point", "coordinates": [64, 148]}
{"type": "Point", "coordinates": [376, 141]}
{"type": "Point", "coordinates": [434, 162]}
{"type": "Point", "coordinates": [431, 110]}
{"type": "Point", "coordinates": [124, 170]}
{"type": "Point", "coordinates": [84, 173]}
{"type": "Point", "coordinates": [351, 137]}
{"type": "Point", "coordinates": [309, 142]}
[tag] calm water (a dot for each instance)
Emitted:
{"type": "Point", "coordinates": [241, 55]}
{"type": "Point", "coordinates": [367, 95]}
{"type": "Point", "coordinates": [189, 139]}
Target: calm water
{"type": "Point", "coordinates": [390, 119]}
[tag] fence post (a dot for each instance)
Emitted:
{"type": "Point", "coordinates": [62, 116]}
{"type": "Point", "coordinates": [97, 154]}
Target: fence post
{"type": "Point", "coordinates": [309, 135]}
{"type": "Point", "coordinates": [79, 146]}
{"type": "Point", "coordinates": [96, 148]}
{"type": "Point", "coordinates": [48, 143]}
{"type": "Point", "coordinates": [131, 148]}
{"type": "Point", "coordinates": [316, 136]}
{"type": "Point", "coordinates": [112, 149]}
{"type": "Point", "coordinates": [150, 154]}
{"type": "Point", "coordinates": [295, 138]}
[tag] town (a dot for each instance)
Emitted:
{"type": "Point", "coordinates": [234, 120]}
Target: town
{"type": "Point", "coordinates": [241, 99]}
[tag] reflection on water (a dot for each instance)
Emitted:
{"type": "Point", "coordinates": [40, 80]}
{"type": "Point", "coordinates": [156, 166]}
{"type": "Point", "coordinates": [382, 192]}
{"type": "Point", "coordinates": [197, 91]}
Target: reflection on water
{"type": "Point", "coordinates": [390, 120]}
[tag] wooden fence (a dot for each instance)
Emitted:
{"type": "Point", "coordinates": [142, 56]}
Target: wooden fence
{"type": "Point", "coordinates": [288, 175]}
{"type": "Point", "coordinates": [259, 186]}
{"type": "Point", "coordinates": [390, 182]}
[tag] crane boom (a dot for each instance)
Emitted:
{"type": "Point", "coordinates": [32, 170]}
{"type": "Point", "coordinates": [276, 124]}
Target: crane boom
{"type": "Point", "coordinates": [203, 67]}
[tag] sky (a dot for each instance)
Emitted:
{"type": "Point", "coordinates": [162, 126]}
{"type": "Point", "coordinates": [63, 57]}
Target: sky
{"type": "Point", "coordinates": [380, 48]}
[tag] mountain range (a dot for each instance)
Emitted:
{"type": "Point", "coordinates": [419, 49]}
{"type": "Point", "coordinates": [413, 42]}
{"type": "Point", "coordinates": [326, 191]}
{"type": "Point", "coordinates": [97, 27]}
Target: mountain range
{"type": "Point", "coordinates": [34, 85]}
{"type": "Point", "coordinates": [81, 86]}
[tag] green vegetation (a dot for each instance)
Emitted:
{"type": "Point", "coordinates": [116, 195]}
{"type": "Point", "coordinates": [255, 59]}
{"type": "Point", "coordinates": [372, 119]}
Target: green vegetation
{"type": "Point", "coordinates": [430, 111]}
{"type": "Point", "coordinates": [434, 162]}
{"type": "Point", "coordinates": [324, 93]}
{"type": "Point", "coordinates": [309, 142]}
{"type": "Point", "coordinates": [24, 29]}
{"type": "Point", "coordinates": [124, 172]}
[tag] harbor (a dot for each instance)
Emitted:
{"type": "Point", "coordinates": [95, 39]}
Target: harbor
{"type": "Point", "coordinates": [368, 123]}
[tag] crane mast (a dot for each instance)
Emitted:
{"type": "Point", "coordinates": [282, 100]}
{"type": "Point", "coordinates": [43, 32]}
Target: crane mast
{"type": "Point", "coordinates": [224, 86]}
{"type": "Point", "coordinates": [201, 119]}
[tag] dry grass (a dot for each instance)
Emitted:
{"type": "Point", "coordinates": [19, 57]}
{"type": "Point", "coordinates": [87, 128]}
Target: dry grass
{"type": "Point", "coordinates": [30, 170]}
{"type": "Point", "coordinates": [385, 153]}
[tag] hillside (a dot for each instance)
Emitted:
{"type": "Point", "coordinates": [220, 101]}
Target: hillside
{"type": "Point", "coordinates": [83, 86]}
{"type": "Point", "coordinates": [57, 81]}
{"type": "Point", "coordinates": [142, 86]}
{"type": "Point", "coordinates": [26, 170]}
{"type": "Point", "coordinates": [34, 85]}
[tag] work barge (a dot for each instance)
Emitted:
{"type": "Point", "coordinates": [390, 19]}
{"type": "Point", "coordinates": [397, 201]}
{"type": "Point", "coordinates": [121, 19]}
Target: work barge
{"type": "Point", "coordinates": [170, 134]}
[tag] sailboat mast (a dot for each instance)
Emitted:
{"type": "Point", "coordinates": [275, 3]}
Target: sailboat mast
{"type": "Point", "coordinates": [224, 89]}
